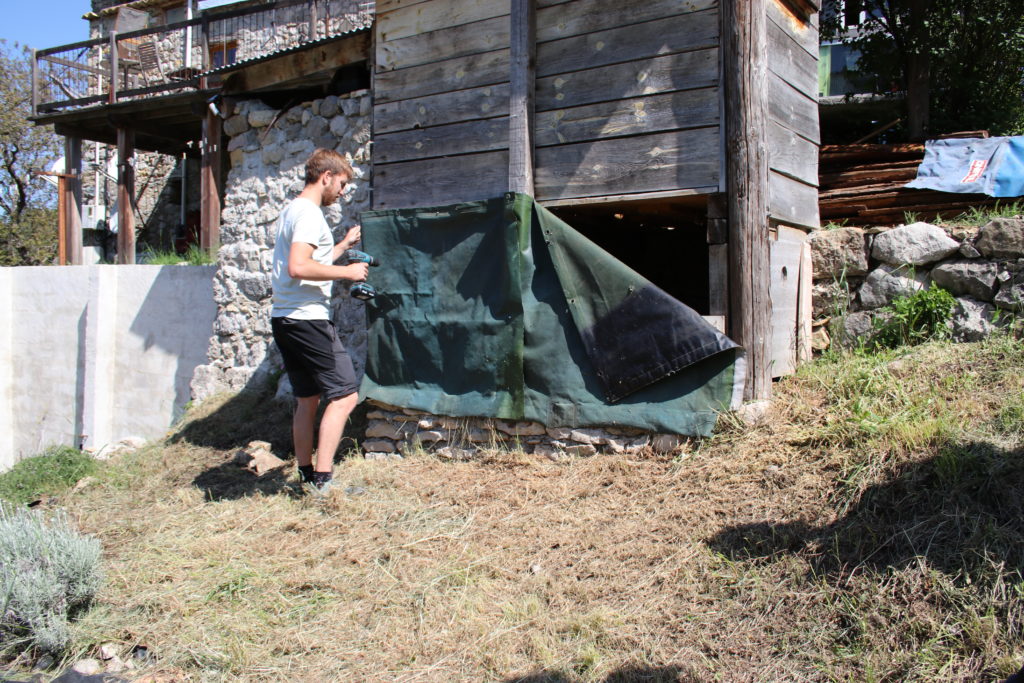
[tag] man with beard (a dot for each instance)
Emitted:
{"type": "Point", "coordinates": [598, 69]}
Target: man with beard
{"type": "Point", "coordinates": [317, 364]}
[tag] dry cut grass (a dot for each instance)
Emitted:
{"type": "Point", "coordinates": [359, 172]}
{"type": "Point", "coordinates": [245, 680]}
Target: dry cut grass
{"type": "Point", "coordinates": [871, 530]}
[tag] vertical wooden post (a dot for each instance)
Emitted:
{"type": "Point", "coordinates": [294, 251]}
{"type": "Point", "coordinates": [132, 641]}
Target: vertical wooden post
{"type": "Point", "coordinates": [112, 90]}
{"type": "Point", "coordinates": [744, 47]}
{"type": "Point", "coordinates": [313, 32]}
{"type": "Point", "coordinates": [209, 230]}
{"type": "Point", "coordinates": [523, 72]}
{"type": "Point", "coordinates": [125, 195]}
{"type": "Point", "coordinates": [62, 220]}
{"type": "Point", "coordinates": [35, 83]}
{"type": "Point", "coordinates": [72, 198]}
{"type": "Point", "coordinates": [718, 257]}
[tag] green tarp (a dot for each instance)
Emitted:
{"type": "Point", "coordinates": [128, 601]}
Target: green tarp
{"type": "Point", "coordinates": [498, 308]}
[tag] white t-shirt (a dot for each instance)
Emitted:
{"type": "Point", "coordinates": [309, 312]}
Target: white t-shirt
{"type": "Point", "coordinates": [301, 221]}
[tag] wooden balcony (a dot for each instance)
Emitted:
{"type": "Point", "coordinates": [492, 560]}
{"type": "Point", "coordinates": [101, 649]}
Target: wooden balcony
{"type": "Point", "coordinates": [186, 56]}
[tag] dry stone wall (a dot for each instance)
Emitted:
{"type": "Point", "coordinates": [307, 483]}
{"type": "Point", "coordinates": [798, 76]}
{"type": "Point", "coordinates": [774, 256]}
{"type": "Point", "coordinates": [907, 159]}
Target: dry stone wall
{"type": "Point", "coordinates": [268, 149]}
{"type": "Point", "coordinates": [859, 272]}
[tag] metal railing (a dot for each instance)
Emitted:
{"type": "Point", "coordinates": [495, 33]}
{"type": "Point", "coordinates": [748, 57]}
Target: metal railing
{"type": "Point", "coordinates": [179, 56]}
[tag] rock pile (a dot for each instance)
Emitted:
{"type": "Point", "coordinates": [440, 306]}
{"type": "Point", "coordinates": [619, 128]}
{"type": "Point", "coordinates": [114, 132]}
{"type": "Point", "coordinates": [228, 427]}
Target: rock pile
{"type": "Point", "coordinates": [857, 272]}
{"type": "Point", "coordinates": [393, 432]}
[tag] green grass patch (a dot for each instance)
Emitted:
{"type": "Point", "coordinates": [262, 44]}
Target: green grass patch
{"type": "Point", "coordinates": [195, 256]}
{"type": "Point", "coordinates": [52, 472]}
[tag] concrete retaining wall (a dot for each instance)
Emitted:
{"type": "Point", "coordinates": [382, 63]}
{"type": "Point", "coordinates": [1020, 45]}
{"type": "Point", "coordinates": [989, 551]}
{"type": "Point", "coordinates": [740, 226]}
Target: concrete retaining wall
{"type": "Point", "coordinates": [92, 354]}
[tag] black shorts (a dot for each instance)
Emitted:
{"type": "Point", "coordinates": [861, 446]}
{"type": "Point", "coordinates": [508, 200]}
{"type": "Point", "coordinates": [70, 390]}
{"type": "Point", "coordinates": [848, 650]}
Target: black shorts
{"type": "Point", "coordinates": [315, 360]}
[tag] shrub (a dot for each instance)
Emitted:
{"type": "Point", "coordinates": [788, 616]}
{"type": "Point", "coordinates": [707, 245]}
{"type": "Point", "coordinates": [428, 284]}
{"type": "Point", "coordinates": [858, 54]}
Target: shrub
{"type": "Point", "coordinates": [914, 318]}
{"type": "Point", "coordinates": [48, 571]}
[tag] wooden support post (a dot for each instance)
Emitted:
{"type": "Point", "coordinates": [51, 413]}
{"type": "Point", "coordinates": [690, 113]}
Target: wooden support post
{"type": "Point", "coordinates": [523, 73]}
{"type": "Point", "coordinates": [744, 26]}
{"type": "Point", "coordinates": [112, 87]}
{"type": "Point", "coordinates": [35, 83]}
{"type": "Point", "coordinates": [71, 197]}
{"type": "Point", "coordinates": [209, 228]}
{"type": "Point", "coordinates": [62, 220]}
{"type": "Point", "coordinates": [125, 195]}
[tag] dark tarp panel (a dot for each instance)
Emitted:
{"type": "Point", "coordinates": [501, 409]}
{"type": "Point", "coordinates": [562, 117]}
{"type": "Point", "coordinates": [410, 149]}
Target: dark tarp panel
{"type": "Point", "coordinates": [497, 308]}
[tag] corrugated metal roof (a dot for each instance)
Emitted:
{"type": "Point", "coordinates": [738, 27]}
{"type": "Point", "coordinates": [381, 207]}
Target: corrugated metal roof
{"type": "Point", "coordinates": [234, 66]}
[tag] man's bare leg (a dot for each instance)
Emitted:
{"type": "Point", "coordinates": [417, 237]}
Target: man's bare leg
{"type": "Point", "coordinates": [302, 429]}
{"type": "Point", "coordinates": [332, 424]}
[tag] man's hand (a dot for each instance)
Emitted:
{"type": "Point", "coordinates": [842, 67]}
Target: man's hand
{"type": "Point", "coordinates": [359, 271]}
{"type": "Point", "coordinates": [354, 234]}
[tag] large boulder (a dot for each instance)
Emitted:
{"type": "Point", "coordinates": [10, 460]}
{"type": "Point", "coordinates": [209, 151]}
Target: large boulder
{"type": "Point", "coordinates": [887, 282]}
{"type": "Point", "coordinates": [970, 278]}
{"type": "Point", "coordinates": [838, 253]}
{"type": "Point", "coordinates": [1002, 238]}
{"type": "Point", "coordinates": [972, 320]}
{"type": "Point", "coordinates": [916, 244]}
{"type": "Point", "coordinates": [1011, 294]}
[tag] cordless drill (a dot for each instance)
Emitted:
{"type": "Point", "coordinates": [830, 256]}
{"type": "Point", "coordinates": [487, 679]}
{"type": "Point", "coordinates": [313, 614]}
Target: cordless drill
{"type": "Point", "coordinates": [360, 290]}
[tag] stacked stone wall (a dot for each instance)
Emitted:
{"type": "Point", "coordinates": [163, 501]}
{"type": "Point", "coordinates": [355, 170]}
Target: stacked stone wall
{"type": "Point", "coordinates": [268, 149]}
{"type": "Point", "coordinates": [857, 273]}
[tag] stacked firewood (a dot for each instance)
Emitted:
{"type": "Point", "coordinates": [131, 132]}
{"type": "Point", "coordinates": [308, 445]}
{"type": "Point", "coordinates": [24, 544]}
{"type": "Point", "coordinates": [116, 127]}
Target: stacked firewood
{"type": "Point", "coordinates": [863, 185]}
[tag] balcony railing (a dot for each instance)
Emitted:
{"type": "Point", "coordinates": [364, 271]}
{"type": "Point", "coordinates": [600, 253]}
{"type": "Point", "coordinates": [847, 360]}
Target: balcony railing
{"type": "Point", "coordinates": [178, 56]}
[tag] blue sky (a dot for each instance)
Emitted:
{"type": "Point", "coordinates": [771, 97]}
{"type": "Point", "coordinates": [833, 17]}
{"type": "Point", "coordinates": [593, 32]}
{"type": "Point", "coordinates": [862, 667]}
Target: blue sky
{"type": "Point", "coordinates": [49, 23]}
{"type": "Point", "coordinates": [44, 23]}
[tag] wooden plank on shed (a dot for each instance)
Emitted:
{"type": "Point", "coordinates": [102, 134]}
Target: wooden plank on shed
{"type": "Point", "coordinates": [488, 68]}
{"type": "Point", "coordinates": [786, 253]}
{"type": "Point", "coordinates": [437, 182]}
{"type": "Point", "coordinates": [718, 279]}
{"type": "Point", "coordinates": [792, 155]}
{"type": "Point", "coordinates": [523, 51]}
{"type": "Point", "coordinates": [384, 6]}
{"type": "Point", "coordinates": [791, 62]}
{"type": "Point", "coordinates": [803, 33]}
{"type": "Point", "coordinates": [679, 33]}
{"type": "Point", "coordinates": [458, 41]}
{"type": "Point", "coordinates": [670, 73]}
{"type": "Point", "coordinates": [636, 116]}
{"type": "Point", "coordinates": [588, 16]}
{"type": "Point", "coordinates": [448, 140]}
{"type": "Point", "coordinates": [792, 201]}
{"type": "Point", "coordinates": [425, 17]}
{"type": "Point", "coordinates": [488, 101]}
{"type": "Point", "coordinates": [791, 108]}
{"type": "Point", "coordinates": [647, 163]}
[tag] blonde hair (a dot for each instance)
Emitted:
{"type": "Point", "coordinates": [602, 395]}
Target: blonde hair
{"type": "Point", "coordinates": [324, 160]}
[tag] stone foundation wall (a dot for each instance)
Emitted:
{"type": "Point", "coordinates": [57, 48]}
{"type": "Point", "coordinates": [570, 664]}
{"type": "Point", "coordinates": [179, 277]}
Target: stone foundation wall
{"type": "Point", "coordinates": [268, 151]}
{"type": "Point", "coordinates": [393, 432]}
{"type": "Point", "coordinates": [859, 272]}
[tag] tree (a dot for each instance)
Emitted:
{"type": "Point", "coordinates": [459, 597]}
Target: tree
{"type": "Point", "coordinates": [960, 63]}
{"type": "Point", "coordinates": [28, 230]}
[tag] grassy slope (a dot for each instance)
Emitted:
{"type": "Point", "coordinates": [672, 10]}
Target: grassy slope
{"type": "Point", "coordinates": [872, 530]}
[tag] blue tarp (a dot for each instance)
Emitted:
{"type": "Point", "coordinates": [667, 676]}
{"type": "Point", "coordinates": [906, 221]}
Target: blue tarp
{"type": "Point", "coordinates": [992, 166]}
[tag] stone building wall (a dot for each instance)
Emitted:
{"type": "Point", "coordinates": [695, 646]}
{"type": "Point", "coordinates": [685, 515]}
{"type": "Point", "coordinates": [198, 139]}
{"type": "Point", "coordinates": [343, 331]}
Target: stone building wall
{"type": "Point", "coordinates": [268, 151]}
{"type": "Point", "coordinates": [859, 272]}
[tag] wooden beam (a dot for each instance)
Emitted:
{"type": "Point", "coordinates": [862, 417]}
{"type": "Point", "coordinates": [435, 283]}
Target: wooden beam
{"type": "Point", "coordinates": [304, 64]}
{"type": "Point", "coordinates": [523, 53]}
{"type": "Point", "coordinates": [72, 199]}
{"type": "Point", "coordinates": [125, 195]}
{"type": "Point", "coordinates": [744, 45]}
{"type": "Point", "coordinates": [62, 220]}
{"type": "Point", "coordinates": [209, 227]}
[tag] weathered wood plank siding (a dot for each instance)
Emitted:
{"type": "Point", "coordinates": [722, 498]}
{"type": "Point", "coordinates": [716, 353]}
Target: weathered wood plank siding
{"type": "Point", "coordinates": [441, 101]}
{"type": "Point", "coordinates": [627, 98]}
{"type": "Point", "coordinates": [793, 135]}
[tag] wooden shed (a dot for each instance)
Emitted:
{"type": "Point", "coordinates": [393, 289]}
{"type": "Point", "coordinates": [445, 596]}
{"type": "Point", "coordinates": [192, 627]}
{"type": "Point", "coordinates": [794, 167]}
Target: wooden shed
{"type": "Point", "coordinates": [680, 134]}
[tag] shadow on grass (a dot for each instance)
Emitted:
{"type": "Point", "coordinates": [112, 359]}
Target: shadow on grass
{"type": "Point", "coordinates": [961, 510]}
{"type": "Point", "coordinates": [627, 674]}
{"type": "Point", "coordinates": [253, 414]}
